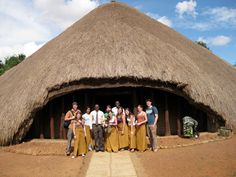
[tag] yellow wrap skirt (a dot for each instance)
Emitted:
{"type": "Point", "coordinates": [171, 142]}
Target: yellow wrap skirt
{"type": "Point", "coordinates": [132, 137]}
{"type": "Point", "coordinates": [123, 138]}
{"type": "Point", "coordinates": [141, 137]}
{"type": "Point", "coordinates": [80, 145]}
{"type": "Point", "coordinates": [112, 144]}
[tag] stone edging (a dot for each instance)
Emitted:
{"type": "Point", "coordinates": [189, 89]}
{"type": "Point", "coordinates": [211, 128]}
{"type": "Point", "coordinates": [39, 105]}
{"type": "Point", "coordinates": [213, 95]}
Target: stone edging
{"type": "Point", "coordinates": [195, 143]}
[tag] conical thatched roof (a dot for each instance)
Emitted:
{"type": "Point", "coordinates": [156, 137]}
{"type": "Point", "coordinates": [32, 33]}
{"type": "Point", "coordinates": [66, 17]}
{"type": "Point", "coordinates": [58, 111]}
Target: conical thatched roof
{"type": "Point", "coordinates": [115, 45]}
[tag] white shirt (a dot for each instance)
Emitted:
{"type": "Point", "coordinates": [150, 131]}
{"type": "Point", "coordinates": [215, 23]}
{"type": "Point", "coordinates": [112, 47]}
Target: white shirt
{"type": "Point", "coordinates": [112, 121]}
{"type": "Point", "coordinates": [88, 119]}
{"type": "Point", "coordinates": [115, 110]}
{"type": "Point", "coordinates": [100, 116]}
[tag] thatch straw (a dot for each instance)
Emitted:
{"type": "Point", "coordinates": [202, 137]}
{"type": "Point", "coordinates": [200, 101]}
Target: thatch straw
{"type": "Point", "coordinates": [120, 46]}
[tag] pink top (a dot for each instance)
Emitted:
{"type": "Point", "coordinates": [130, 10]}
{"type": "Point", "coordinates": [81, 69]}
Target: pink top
{"type": "Point", "coordinates": [140, 117]}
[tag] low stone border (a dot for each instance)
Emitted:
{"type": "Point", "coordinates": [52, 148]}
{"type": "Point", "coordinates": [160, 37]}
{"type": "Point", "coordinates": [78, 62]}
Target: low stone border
{"type": "Point", "coordinates": [195, 143]}
{"type": "Point", "coordinates": [47, 147]}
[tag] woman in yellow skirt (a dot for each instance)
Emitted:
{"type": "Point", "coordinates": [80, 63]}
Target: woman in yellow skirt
{"type": "Point", "coordinates": [111, 144]}
{"type": "Point", "coordinates": [130, 118]}
{"type": "Point", "coordinates": [141, 129]}
{"type": "Point", "coordinates": [80, 145]}
{"type": "Point", "coordinates": [122, 129]}
{"type": "Point", "coordinates": [88, 126]}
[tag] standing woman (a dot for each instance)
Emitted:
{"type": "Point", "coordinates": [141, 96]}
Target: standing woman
{"type": "Point", "coordinates": [88, 126]}
{"type": "Point", "coordinates": [80, 145]}
{"type": "Point", "coordinates": [112, 134]}
{"type": "Point", "coordinates": [141, 129]}
{"type": "Point", "coordinates": [122, 129]}
{"type": "Point", "coordinates": [130, 118]}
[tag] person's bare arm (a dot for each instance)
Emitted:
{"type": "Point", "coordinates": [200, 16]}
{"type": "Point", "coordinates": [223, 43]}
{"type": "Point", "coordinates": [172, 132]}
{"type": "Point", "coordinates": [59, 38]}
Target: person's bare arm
{"type": "Point", "coordinates": [155, 121]}
{"type": "Point", "coordinates": [132, 126]}
{"type": "Point", "coordinates": [69, 116]}
{"type": "Point", "coordinates": [115, 120]}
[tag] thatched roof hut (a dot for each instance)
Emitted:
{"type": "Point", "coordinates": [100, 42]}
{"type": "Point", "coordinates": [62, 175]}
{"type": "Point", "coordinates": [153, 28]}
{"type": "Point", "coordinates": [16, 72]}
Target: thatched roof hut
{"type": "Point", "coordinates": [114, 46]}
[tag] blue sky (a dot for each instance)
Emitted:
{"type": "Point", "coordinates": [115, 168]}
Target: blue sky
{"type": "Point", "coordinates": [26, 25]}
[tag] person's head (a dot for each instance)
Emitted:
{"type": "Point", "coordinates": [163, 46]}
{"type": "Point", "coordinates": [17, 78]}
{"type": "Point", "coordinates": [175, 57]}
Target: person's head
{"type": "Point", "coordinates": [139, 108]}
{"type": "Point", "coordinates": [108, 108]}
{"type": "Point", "coordinates": [120, 110]}
{"type": "Point", "coordinates": [117, 103]}
{"type": "Point", "coordinates": [75, 105]}
{"type": "Point", "coordinates": [110, 114]}
{"type": "Point", "coordinates": [148, 102]}
{"type": "Point", "coordinates": [96, 107]}
{"type": "Point", "coordinates": [127, 112]}
{"type": "Point", "coordinates": [88, 110]}
{"type": "Point", "coordinates": [79, 116]}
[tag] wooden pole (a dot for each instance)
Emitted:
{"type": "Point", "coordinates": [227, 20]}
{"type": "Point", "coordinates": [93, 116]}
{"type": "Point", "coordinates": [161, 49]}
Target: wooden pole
{"type": "Point", "coordinates": [167, 121]}
{"type": "Point", "coordinates": [179, 118]}
{"type": "Point", "coordinates": [41, 122]}
{"type": "Point", "coordinates": [52, 135]}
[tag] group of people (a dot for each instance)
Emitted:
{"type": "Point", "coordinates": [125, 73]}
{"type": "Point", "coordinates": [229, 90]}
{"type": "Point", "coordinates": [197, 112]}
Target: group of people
{"type": "Point", "coordinates": [116, 129]}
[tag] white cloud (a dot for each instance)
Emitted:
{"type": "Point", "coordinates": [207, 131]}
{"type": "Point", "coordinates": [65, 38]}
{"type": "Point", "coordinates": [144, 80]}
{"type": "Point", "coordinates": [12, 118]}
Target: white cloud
{"type": "Point", "coordinates": [222, 15]}
{"type": "Point", "coordinates": [19, 25]}
{"type": "Point", "coordinates": [64, 13]}
{"type": "Point", "coordinates": [216, 41]}
{"type": "Point", "coordinates": [186, 7]}
{"type": "Point", "coordinates": [220, 40]}
{"type": "Point", "coordinates": [211, 18]}
{"type": "Point", "coordinates": [27, 49]}
{"type": "Point", "coordinates": [163, 19]}
{"type": "Point", "coordinates": [26, 25]}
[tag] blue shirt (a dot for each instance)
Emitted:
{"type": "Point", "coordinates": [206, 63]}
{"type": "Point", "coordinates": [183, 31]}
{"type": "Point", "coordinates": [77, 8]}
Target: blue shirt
{"type": "Point", "coordinates": [151, 111]}
{"type": "Point", "coordinates": [87, 119]}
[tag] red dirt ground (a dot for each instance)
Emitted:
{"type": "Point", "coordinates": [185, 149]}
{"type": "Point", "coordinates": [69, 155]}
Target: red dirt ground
{"type": "Point", "coordinates": [45, 158]}
{"type": "Point", "coordinates": [215, 159]}
{"type": "Point", "coordinates": [20, 165]}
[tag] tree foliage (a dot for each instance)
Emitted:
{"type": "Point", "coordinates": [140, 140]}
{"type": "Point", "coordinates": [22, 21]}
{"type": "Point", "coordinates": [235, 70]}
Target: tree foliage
{"type": "Point", "coordinates": [203, 44]}
{"type": "Point", "coordinates": [10, 62]}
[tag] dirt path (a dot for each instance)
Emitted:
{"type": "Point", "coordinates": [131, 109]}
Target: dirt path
{"type": "Point", "coordinates": [215, 159]}
{"type": "Point", "coordinates": [111, 165]}
{"type": "Point", "coordinates": [19, 165]}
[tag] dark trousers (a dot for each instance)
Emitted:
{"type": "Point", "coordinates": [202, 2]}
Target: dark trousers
{"type": "Point", "coordinates": [98, 137]}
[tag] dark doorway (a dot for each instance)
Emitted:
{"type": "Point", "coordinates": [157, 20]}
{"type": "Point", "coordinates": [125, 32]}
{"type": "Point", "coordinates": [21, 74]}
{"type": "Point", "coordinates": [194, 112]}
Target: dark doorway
{"type": "Point", "coordinates": [48, 122]}
{"type": "Point", "coordinates": [107, 97]}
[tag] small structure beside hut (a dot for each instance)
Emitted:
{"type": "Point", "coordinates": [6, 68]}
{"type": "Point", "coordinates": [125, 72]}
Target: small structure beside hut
{"type": "Point", "coordinates": [116, 53]}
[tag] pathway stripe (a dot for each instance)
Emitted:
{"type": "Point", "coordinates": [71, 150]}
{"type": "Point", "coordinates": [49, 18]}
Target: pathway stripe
{"type": "Point", "coordinates": [104, 164]}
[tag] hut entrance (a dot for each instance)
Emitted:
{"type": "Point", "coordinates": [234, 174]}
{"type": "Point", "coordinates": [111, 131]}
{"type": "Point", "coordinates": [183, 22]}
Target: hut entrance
{"type": "Point", "coordinates": [48, 122]}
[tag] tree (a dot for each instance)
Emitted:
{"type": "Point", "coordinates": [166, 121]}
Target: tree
{"type": "Point", "coordinates": [1, 67]}
{"type": "Point", "coordinates": [10, 62]}
{"type": "Point", "coordinates": [234, 64]}
{"type": "Point", "coordinates": [1, 64]}
{"type": "Point", "coordinates": [203, 44]}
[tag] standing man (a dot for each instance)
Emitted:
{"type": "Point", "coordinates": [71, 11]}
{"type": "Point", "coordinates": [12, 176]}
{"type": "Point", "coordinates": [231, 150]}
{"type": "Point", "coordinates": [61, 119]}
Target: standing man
{"type": "Point", "coordinates": [152, 115]}
{"type": "Point", "coordinates": [69, 117]}
{"type": "Point", "coordinates": [97, 126]}
{"type": "Point", "coordinates": [115, 109]}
